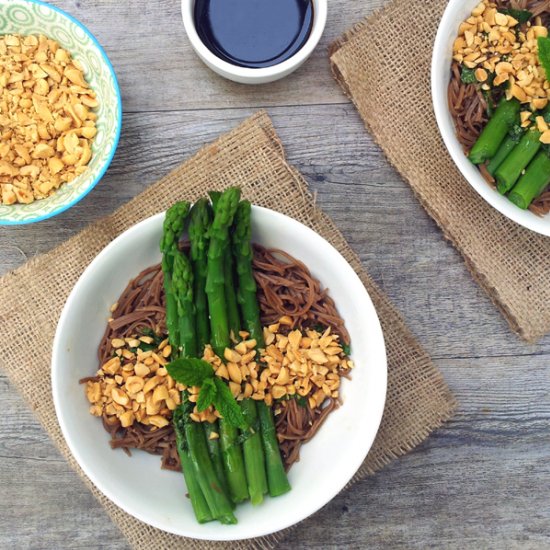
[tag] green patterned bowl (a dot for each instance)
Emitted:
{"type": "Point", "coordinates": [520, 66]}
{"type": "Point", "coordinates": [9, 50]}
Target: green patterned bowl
{"type": "Point", "coordinates": [35, 17]}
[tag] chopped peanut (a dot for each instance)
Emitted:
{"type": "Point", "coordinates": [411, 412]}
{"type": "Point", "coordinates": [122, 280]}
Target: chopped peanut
{"type": "Point", "coordinates": [134, 391]}
{"type": "Point", "coordinates": [492, 42]}
{"type": "Point", "coordinates": [46, 126]}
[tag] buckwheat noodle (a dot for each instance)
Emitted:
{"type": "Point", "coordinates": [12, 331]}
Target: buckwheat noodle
{"type": "Point", "coordinates": [468, 106]}
{"type": "Point", "coordinates": [285, 287]}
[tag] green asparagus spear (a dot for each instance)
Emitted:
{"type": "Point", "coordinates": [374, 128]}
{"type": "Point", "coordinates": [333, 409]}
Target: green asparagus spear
{"type": "Point", "coordinates": [233, 462]}
{"type": "Point", "coordinates": [533, 182]}
{"type": "Point", "coordinates": [215, 282]}
{"type": "Point", "coordinates": [230, 297]}
{"type": "Point", "coordinates": [174, 223]}
{"type": "Point", "coordinates": [487, 144]}
{"type": "Point", "coordinates": [219, 504]}
{"type": "Point", "coordinates": [173, 228]}
{"type": "Point", "coordinates": [229, 280]}
{"type": "Point", "coordinates": [172, 320]}
{"type": "Point", "coordinates": [225, 205]}
{"type": "Point", "coordinates": [242, 252]}
{"type": "Point", "coordinates": [503, 151]}
{"type": "Point", "coordinates": [212, 438]}
{"type": "Point", "coordinates": [198, 502]}
{"type": "Point", "coordinates": [254, 463]}
{"type": "Point", "coordinates": [276, 475]}
{"type": "Point", "coordinates": [182, 283]}
{"type": "Point", "coordinates": [214, 197]}
{"type": "Point", "coordinates": [199, 223]}
{"type": "Point", "coordinates": [513, 165]}
{"type": "Point", "coordinates": [254, 460]}
{"type": "Point", "coordinates": [250, 313]}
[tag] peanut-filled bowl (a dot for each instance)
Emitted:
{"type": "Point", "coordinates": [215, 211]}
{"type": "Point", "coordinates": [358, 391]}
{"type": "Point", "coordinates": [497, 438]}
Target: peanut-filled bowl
{"type": "Point", "coordinates": [59, 138]}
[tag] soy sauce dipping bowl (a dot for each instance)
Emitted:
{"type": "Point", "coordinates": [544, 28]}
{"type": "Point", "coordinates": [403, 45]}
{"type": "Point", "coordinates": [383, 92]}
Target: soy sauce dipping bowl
{"type": "Point", "coordinates": [262, 75]}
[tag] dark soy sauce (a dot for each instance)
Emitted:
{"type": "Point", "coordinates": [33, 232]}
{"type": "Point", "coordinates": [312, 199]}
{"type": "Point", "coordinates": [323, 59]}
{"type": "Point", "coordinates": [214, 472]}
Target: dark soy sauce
{"type": "Point", "coordinates": [254, 33]}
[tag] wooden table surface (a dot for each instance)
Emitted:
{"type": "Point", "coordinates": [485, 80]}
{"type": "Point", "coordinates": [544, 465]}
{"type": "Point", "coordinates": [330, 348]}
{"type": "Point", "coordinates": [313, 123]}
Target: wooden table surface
{"type": "Point", "coordinates": [482, 481]}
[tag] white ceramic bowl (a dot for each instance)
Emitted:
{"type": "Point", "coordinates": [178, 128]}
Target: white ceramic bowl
{"type": "Point", "coordinates": [137, 484]}
{"type": "Point", "coordinates": [35, 17]}
{"type": "Point", "coordinates": [247, 75]}
{"type": "Point", "coordinates": [456, 12]}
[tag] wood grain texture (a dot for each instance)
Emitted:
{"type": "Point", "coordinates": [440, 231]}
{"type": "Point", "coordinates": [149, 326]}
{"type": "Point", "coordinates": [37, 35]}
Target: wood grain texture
{"type": "Point", "coordinates": [482, 481]}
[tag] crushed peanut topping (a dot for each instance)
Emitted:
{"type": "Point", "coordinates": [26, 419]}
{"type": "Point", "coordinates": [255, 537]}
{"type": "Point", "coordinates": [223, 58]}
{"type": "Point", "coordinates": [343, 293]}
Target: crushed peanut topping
{"type": "Point", "coordinates": [134, 385]}
{"type": "Point", "coordinates": [308, 364]}
{"type": "Point", "coordinates": [493, 44]}
{"type": "Point", "coordinates": [47, 123]}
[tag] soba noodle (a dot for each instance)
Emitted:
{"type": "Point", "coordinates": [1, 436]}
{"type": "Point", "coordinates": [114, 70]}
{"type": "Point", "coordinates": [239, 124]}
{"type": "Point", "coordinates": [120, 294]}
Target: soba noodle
{"type": "Point", "coordinates": [468, 105]}
{"type": "Point", "coordinates": [285, 287]}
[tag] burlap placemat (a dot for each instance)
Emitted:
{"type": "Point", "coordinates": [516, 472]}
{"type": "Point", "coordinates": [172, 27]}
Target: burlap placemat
{"type": "Point", "coordinates": [383, 64]}
{"type": "Point", "coordinates": [250, 156]}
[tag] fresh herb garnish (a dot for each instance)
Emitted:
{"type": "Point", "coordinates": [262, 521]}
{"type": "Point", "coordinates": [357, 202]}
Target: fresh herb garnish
{"type": "Point", "coordinates": [189, 371]}
{"type": "Point", "coordinates": [213, 391]}
{"type": "Point", "coordinates": [516, 133]}
{"type": "Point", "coordinates": [467, 75]}
{"type": "Point", "coordinates": [544, 53]}
{"type": "Point", "coordinates": [144, 346]}
{"type": "Point", "coordinates": [227, 406]}
{"type": "Point", "coordinates": [206, 395]}
{"type": "Point", "coordinates": [346, 348]}
{"type": "Point", "coordinates": [521, 16]}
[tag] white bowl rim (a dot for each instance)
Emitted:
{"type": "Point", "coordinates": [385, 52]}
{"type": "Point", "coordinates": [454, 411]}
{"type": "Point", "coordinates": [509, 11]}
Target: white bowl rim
{"type": "Point", "coordinates": [109, 159]}
{"type": "Point", "coordinates": [377, 339]}
{"type": "Point", "coordinates": [524, 218]}
{"type": "Point", "coordinates": [251, 74]}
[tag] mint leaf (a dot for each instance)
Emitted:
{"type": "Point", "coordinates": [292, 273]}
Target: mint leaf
{"type": "Point", "coordinates": [468, 75]}
{"type": "Point", "coordinates": [207, 394]}
{"type": "Point", "coordinates": [544, 54]}
{"type": "Point", "coordinates": [227, 406]}
{"type": "Point", "coordinates": [521, 16]}
{"type": "Point", "coordinates": [190, 371]}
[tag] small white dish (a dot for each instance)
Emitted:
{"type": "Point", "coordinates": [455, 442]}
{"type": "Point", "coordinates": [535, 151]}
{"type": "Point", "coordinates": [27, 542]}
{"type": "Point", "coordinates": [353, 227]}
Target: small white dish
{"type": "Point", "coordinates": [157, 497]}
{"type": "Point", "coordinates": [263, 75]}
{"type": "Point", "coordinates": [456, 12]}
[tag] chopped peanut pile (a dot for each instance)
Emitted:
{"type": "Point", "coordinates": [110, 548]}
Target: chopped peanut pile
{"type": "Point", "coordinates": [495, 45]}
{"type": "Point", "coordinates": [308, 364]}
{"type": "Point", "coordinates": [47, 123]}
{"type": "Point", "coordinates": [134, 386]}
